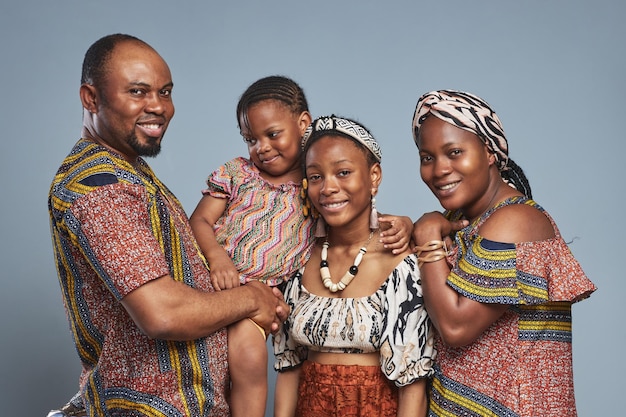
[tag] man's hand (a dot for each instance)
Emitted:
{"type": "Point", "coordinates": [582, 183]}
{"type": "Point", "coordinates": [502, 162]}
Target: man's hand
{"type": "Point", "coordinates": [272, 309]}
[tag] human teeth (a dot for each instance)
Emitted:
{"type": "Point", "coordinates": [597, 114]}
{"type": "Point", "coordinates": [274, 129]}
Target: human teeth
{"type": "Point", "coordinates": [333, 205]}
{"type": "Point", "coordinates": [151, 126]}
{"type": "Point", "coordinates": [447, 186]}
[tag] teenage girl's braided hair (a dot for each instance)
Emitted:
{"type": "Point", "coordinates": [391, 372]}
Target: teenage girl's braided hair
{"type": "Point", "coordinates": [274, 87]}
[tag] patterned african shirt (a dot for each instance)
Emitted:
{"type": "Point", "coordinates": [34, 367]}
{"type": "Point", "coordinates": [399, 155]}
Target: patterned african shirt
{"type": "Point", "coordinates": [115, 226]}
{"type": "Point", "coordinates": [263, 228]}
{"type": "Point", "coordinates": [522, 364]}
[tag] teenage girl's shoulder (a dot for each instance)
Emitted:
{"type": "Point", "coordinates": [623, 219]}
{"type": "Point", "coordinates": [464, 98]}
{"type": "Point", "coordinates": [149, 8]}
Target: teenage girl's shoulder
{"type": "Point", "coordinates": [515, 223]}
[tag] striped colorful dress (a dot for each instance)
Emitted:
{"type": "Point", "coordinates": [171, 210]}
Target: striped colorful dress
{"type": "Point", "coordinates": [263, 228]}
{"type": "Point", "coordinates": [115, 227]}
{"type": "Point", "coordinates": [522, 364]}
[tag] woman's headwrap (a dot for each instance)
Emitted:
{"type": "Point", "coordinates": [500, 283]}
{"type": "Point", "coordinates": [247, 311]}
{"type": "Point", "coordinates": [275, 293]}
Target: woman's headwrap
{"type": "Point", "coordinates": [468, 112]}
{"type": "Point", "coordinates": [328, 125]}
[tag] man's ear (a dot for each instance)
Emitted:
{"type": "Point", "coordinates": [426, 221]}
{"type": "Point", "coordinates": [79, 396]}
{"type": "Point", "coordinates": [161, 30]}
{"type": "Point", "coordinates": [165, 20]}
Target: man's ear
{"type": "Point", "coordinates": [89, 97]}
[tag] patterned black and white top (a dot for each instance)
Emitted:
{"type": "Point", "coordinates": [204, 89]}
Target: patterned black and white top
{"type": "Point", "coordinates": [392, 321]}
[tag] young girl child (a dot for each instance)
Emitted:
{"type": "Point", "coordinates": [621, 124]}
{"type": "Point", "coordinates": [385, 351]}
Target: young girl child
{"type": "Point", "coordinates": [357, 341]}
{"type": "Point", "coordinates": [250, 223]}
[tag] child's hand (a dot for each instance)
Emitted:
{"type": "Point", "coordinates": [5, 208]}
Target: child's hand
{"type": "Point", "coordinates": [224, 275]}
{"type": "Point", "coordinates": [395, 232]}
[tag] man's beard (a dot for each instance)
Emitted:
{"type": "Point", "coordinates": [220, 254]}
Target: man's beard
{"type": "Point", "coordinates": [152, 148]}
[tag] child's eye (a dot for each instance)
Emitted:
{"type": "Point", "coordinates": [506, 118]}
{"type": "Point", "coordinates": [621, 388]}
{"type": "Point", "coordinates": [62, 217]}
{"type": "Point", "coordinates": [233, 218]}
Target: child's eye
{"type": "Point", "coordinates": [249, 141]}
{"type": "Point", "coordinates": [344, 172]}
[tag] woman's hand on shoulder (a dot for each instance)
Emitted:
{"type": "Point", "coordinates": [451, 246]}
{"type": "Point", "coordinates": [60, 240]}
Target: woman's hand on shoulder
{"type": "Point", "coordinates": [434, 226]}
{"type": "Point", "coordinates": [517, 223]}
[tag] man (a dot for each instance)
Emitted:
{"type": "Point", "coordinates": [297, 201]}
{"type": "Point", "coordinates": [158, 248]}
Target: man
{"type": "Point", "coordinates": [147, 325]}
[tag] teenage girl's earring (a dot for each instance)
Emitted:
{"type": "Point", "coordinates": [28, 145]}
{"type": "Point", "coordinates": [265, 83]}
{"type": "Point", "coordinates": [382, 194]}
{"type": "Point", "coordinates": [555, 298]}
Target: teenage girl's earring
{"type": "Point", "coordinates": [320, 227]}
{"type": "Point", "coordinates": [374, 215]}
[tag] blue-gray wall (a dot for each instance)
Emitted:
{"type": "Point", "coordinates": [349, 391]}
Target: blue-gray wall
{"type": "Point", "coordinates": [553, 70]}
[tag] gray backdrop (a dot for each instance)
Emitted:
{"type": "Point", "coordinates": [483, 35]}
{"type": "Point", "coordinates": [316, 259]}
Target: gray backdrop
{"type": "Point", "coordinates": [553, 70]}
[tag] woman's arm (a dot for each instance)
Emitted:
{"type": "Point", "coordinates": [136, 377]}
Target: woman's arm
{"type": "Point", "coordinates": [286, 393]}
{"type": "Point", "coordinates": [459, 320]}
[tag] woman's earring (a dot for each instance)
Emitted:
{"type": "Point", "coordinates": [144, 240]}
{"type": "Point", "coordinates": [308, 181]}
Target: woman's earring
{"type": "Point", "coordinates": [374, 215]}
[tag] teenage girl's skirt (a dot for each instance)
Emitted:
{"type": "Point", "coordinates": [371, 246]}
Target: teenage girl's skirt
{"type": "Point", "coordinates": [345, 391]}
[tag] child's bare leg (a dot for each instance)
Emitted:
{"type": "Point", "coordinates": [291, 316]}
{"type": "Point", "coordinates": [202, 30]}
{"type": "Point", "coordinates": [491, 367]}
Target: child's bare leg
{"type": "Point", "coordinates": [247, 362]}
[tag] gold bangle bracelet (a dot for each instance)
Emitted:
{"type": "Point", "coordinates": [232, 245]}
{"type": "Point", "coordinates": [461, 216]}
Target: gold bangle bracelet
{"type": "Point", "coordinates": [433, 256]}
{"type": "Point", "coordinates": [431, 246]}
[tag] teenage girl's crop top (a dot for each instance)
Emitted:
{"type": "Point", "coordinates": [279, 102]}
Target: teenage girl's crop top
{"type": "Point", "coordinates": [392, 321]}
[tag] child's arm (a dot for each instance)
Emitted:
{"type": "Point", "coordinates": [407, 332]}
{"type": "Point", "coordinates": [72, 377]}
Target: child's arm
{"type": "Point", "coordinates": [286, 392]}
{"type": "Point", "coordinates": [395, 232]}
{"type": "Point", "coordinates": [224, 275]}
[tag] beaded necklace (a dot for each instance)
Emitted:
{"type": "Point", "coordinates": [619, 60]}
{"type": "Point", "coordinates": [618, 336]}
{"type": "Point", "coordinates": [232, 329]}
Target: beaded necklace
{"type": "Point", "coordinates": [349, 275]}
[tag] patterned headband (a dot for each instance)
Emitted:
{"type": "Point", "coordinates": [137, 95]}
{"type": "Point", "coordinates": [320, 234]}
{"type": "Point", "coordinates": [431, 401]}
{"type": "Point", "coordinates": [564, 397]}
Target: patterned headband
{"type": "Point", "coordinates": [327, 125]}
{"type": "Point", "coordinates": [468, 112]}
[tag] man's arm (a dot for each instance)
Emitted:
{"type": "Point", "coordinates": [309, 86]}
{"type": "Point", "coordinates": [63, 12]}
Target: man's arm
{"type": "Point", "coordinates": [170, 310]}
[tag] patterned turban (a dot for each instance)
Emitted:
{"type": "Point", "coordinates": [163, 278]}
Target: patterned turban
{"type": "Point", "coordinates": [468, 112]}
{"type": "Point", "coordinates": [328, 125]}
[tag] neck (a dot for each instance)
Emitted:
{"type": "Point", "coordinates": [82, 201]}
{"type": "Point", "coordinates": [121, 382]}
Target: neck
{"type": "Point", "coordinates": [349, 237]}
{"type": "Point", "coordinates": [492, 198]}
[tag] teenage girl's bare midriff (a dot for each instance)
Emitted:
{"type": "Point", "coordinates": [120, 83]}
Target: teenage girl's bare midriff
{"type": "Point", "coordinates": [363, 359]}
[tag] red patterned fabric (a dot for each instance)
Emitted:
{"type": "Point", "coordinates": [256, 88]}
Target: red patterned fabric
{"type": "Point", "coordinates": [345, 391]}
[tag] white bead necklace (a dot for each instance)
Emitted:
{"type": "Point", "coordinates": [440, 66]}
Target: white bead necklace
{"type": "Point", "coordinates": [349, 275]}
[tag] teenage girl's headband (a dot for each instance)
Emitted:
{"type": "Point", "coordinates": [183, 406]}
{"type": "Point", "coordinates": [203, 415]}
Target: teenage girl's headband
{"type": "Point", "coordinates": [468, 112]}
{"type": "Point", "coordinates": [328, 125]}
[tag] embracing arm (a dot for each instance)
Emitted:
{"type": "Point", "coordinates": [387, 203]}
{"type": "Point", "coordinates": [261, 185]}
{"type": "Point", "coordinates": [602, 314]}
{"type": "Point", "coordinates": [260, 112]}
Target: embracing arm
{"type": "Point", "coordinates": [459, 320]}
{"type": "Point", "coordinates": [170, 310]}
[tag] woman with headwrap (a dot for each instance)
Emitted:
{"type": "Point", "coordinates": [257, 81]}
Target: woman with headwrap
{"type": "Point", "coordinates": [499, 291]}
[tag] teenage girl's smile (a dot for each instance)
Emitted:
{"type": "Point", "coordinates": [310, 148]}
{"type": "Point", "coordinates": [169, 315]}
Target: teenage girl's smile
{"type": "Point", "coordinates": [336, 170]}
